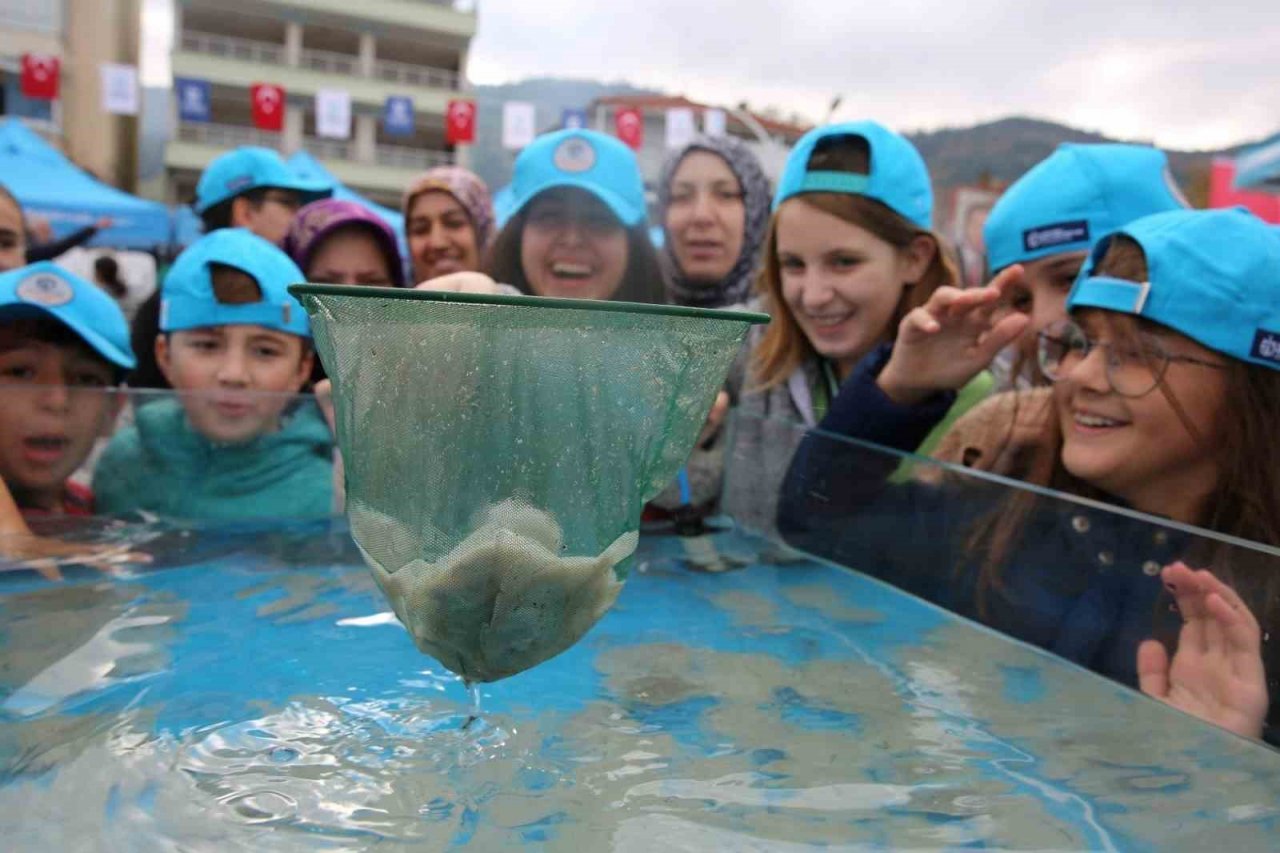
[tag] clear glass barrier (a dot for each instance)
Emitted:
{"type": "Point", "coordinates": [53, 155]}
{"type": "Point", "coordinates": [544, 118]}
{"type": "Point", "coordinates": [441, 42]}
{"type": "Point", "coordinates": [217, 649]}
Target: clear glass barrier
{"type": "Point", "coordinates": [1076, 577]}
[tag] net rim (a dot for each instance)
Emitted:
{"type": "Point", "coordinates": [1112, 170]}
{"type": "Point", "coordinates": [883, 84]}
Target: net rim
{"type": "Point", "coordinates": [308, 289]}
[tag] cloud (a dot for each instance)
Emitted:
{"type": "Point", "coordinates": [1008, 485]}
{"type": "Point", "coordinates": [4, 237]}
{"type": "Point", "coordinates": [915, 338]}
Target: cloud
{"type": "Point", "coordinates": [1181, 73]}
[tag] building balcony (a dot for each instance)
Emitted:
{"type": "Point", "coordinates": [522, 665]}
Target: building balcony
{"type": "Point", "coordinates": [439, 18]}
{"type": "Point", "coordinates": [240, 62]}
{"type": "Point", "coordinates": [389, 171]}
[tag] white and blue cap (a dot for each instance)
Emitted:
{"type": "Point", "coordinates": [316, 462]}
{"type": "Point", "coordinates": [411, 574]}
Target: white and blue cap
{"type": "Point", "coordinates": [46, 289]}
{"type": "Point", "coordinates": [587, 160]}
{"type": "Point", "coordinates": [1076, 196]}
{"type": "Point", "coordinates": [188, 301]}
{"type": "Point", "coordinates": [248, 168]}
{"type": "Point", "coordinates": [1213, 275]}
{"type": "Point", "coordinates": [898, 177]}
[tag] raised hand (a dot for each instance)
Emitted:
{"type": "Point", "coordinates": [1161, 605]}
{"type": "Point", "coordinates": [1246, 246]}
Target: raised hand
{"type": "Point", "coordinates": [1217, 672]}
{"type": "Point", "coordinates": [461, 282]}
{"type": "Point", "coordinates": [951, 339]}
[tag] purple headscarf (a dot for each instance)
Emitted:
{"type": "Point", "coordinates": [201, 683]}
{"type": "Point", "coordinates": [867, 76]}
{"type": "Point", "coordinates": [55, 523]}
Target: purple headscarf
{"type": "Point", "coordinates": [321, 218]}
{"type": "Point", "coordinates": [464, 186]}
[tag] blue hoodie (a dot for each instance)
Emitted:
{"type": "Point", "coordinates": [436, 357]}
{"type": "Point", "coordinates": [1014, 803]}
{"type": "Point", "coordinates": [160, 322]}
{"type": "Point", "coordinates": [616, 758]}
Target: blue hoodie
{"type": "Point", "coordinates": [162, 465]}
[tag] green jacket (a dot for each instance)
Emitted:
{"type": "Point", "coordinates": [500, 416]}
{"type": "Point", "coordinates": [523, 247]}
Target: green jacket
{"type": "Point", "coordinates": [162, 465]}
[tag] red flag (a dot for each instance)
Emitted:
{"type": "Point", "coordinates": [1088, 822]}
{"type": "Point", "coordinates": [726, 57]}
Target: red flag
{"type": "Point", "coordinates": [268, 106]}
{"type": "Point", "coordinates": [460, 123]}
{"type": "Point", "coordinates": [40, 74]}
{"type": "Point", "coordinates": [629, 125]}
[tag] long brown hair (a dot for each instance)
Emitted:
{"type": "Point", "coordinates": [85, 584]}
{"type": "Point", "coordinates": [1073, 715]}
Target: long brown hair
{"type": "Point", "coordinates": [641, 282]}
{"type": "Point", "coordinates": [784, 347]}
{"type": "Point", "coordinates": [1245, 501]}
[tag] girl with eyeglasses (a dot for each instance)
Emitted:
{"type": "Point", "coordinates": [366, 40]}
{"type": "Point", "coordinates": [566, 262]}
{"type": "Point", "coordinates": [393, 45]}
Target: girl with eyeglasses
{"type": "Point", "coordinates": [1165, 401]}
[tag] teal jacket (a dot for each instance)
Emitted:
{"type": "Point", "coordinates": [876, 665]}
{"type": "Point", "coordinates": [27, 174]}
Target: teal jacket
{"type": "Point", "coordinates": [162, 465]}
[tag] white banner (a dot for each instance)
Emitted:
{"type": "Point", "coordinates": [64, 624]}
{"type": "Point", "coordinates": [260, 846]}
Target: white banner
{"type": "Point", "coordinates": [713, 123]}
{"type": "Point", "coordinates": [519, 125]}
{"type": "Point", "coordinates": [333, 113]}
{"type": "Point", "coordinates": [120, 94]}
{"type": "Point", "coordinates": [680, 127]}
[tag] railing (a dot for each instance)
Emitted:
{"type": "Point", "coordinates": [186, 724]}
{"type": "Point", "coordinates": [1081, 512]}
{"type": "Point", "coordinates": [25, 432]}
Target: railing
{"type": "Point", "coordinates": [329, 62]}
{"type": "Point", "coordinates": [323, 61]}
{"type": "Point", "coordinates": [328, 149]}
{"type": "Point", "coordinates": [231, 47]}
{"type": "Point", "coordinates": [403, 157]}
{"type": "Point", "coordinates": [415, 75]}
{"type": "Point", "coordinates": [226, 135]}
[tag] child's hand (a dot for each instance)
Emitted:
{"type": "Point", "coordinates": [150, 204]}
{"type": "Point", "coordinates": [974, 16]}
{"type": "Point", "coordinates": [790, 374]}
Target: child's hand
{"type": "Point", "coordinates": [324, 399]}
{"type": "Point", "coordinates": [950, 339]}
{"type": "Point", "coordinates": [45, 555]}
{"type": "Point", "coordinates": [461, 282]}
{"type": "Point", "coordinates": [1217, 672]}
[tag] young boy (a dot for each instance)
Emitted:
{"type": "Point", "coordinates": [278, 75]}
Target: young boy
{"type": "Point", "coordinates": [234, 444]}
{"type": "Point", "coordinates": [253, 188]}
{"type": "Point", "coordinates": [63, 344]}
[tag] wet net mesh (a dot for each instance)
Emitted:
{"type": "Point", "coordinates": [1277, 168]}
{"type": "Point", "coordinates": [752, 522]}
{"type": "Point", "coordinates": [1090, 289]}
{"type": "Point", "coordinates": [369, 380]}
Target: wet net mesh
{"type": "Point", "coordinates": [499, 452]}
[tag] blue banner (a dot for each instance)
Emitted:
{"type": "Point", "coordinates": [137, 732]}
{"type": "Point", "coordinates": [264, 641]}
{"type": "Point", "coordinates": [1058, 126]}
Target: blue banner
{"type": "Point", "coordinates": [397, 116]}
{"type": "Point", "coordinates": [193, 99]}
{"type": "Point", "coordinates": [573, 119]}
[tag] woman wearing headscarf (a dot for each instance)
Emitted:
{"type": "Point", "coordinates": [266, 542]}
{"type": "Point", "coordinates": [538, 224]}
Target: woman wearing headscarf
{"type": "Point", "coordinates": [342, 242]}
{"type": "Point", "coordinates": [448, 222]}
{"type": "Point", "coordinates": [713, 203]}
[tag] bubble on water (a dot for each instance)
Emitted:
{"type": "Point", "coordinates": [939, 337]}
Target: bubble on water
{"type": "Point", "coordinates": [261, 806]}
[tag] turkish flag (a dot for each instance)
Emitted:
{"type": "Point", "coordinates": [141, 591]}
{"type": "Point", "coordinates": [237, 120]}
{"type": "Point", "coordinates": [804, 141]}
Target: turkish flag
{"type": "Point", "coordinates": [40, 74]}
{"type": "Point", "coordinates": [629, 125]}
{"type": "Point", "coordinates": [460, 123]}
{"type": "Point", "coordinates": [268, 106]}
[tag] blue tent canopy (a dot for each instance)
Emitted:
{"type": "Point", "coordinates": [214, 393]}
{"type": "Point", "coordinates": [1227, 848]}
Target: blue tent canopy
{"type": "Point", "coordinates": [49, 185]}
{"type": "Point", "coordinates": [1259, 167]}
{"type": "Point", "coordinates": [308, 167]}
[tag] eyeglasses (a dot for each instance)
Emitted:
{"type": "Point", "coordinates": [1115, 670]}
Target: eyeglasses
{"type": "Point", "coordinates": [1133, 370]}
{"type": "Point", "coordinates": [560, 217]}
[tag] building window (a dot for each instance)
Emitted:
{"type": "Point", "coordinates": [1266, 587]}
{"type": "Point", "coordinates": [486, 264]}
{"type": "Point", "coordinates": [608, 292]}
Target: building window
{"type": "Point", "coordinates": [38, 15]}
{"type": "Point", "coordinates": [12, 102]}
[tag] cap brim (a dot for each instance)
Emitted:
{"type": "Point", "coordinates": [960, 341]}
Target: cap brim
{"type": "Point", "coordinates": [105, 348]}
{"type": "Point", "coordinates": [626, 215]}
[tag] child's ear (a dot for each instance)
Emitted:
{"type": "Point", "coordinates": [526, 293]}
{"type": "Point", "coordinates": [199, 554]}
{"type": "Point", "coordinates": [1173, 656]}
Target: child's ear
{"type": "Point", "coordinates": [162, 356]}
{"type": "Point", "coordinates": [305, 365]}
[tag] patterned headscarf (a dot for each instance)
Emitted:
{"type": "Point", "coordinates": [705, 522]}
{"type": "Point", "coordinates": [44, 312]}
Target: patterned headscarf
{"type": "Point", "coordinates": [464, 186]}
{"type": "Point", "coordinates": [735, 288]}
{"type": "Point", "coordinates": [319, 219]}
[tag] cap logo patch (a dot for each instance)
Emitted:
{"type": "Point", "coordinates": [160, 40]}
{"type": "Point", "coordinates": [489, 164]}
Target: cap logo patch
{"type": "Point", "coordinates": [46, 290]}
{"type": "Point", "coordinates": [1058, 234]}
{"type": "Point", "coordinates": [574, 155]}
{"type": "Point", "coordinates": [240, 182]}
{"type": "Point", "coordinates": [1266, 346]}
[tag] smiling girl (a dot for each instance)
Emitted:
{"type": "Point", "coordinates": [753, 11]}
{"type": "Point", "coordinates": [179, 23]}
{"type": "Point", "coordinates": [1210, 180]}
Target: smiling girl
{"type": "Point", "coordinates": [848, 254]}
{"type": "Point", "coordinates": [1166, 400]}
{"type": "Point", "coordinates": [577, 226]}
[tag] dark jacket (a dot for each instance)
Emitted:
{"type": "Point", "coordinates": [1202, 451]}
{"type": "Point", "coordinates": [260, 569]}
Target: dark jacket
{"type": "Point", "coordinates": [1081, 580]}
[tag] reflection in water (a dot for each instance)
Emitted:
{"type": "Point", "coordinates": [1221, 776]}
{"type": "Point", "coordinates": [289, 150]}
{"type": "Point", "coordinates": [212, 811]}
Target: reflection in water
{"type": "Point", "coordinates": [241, 706]}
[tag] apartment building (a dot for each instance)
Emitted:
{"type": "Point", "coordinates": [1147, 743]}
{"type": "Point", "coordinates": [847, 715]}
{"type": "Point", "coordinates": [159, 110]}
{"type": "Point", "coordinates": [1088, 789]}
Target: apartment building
{"type": "Point", "coordinates": [83, 34]}
{"type": "Point", "coordinates": [373, 49]}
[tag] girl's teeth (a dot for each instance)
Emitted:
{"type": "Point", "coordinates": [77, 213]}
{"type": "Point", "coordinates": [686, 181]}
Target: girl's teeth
{"type": "Point", "coordinates": [1095, 421]}
{"type": "Point", "coordinates": [571, 269]}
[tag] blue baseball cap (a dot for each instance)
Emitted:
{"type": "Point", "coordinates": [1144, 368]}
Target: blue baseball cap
{"type": "Point", "coordinates": [585, 159]}
{"type": "Point", "coordinates": [898, 176]}
{"type": "Point", "coordinates": [45, 288]}
{"type": "Point", "coordinates": [248, 168]}
{"type": "Point", "coordinates": [1076, 196]}
{"type": "Point", "coordinates": [187, 300]}
{"type": "Point", "coordinates": [1213, 275]}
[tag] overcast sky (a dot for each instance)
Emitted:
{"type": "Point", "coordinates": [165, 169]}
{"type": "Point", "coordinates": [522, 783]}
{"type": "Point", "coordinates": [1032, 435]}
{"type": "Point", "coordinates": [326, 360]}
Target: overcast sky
{"type": "Point", "coordinates": [1183, 73]}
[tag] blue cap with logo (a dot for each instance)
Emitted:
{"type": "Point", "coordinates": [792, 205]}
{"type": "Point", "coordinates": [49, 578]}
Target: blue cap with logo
{"type": "Point", "coordinates": [251, 167]}
{"type": "Point", "coordinates": [898, 176]}
{"type": "Point", "coordinates": [585, 159]}
{"type": "Point", "coordinates": [187, 299]}
{"type": "Point", "coordinates": [45, 288]}
{"type": "Point", "coordinates": [1076, 196]}
{"type": "Point", "coordinates": [1213, 275]}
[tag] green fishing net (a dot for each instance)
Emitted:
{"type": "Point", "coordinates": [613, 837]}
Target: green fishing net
{"type": "Point", "coordinates": [499, 451]}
